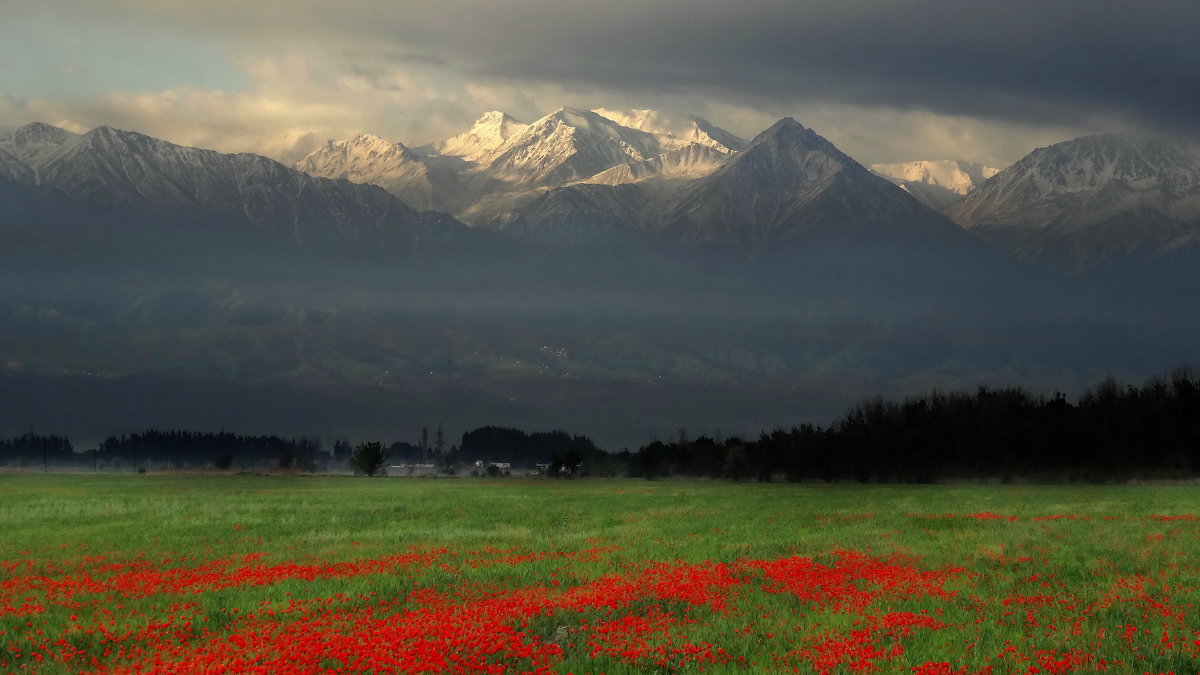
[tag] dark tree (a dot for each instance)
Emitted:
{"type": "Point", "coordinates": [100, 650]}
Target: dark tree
{"type": "Point", "coordinates": [368, 458]}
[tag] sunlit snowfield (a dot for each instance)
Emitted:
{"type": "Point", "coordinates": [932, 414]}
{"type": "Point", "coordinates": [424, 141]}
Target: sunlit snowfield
{"type": "Point", "coordinates": [316, 574]}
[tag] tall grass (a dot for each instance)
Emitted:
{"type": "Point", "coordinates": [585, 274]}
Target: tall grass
{"type": "Point", "coordinates": [1085, 536]}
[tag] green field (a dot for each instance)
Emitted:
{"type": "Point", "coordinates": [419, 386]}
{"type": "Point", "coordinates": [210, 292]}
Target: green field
{"type": "Point", "coordinates": [594, 576]}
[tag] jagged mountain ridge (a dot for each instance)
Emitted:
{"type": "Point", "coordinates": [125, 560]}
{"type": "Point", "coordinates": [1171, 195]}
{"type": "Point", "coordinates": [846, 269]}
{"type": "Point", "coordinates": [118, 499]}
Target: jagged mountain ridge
{"type": "Point", "coordinates": [1081, 204]}
{"type": "Point", "coordinates": [1091, 202]}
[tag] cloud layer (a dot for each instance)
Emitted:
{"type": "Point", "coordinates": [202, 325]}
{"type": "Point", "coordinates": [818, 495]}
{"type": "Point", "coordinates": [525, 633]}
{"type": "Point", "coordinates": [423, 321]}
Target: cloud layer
{"type": "Point", "coordinates": [930, 77]}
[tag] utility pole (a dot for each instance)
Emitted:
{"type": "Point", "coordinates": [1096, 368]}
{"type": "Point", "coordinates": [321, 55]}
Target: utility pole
{"type": "Point", "coordinates": [424, 445]}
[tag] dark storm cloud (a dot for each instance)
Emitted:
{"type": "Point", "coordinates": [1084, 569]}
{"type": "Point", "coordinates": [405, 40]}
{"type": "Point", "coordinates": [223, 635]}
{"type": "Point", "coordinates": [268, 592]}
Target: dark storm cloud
{"type": "Point", "coordinates": [1049, 63]}
{"type": "Point", "coordinates": [1037, 61]}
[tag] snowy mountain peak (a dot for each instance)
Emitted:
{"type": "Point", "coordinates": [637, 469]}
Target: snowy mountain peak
{"type": "Point", "coordinates": [36, 132]}
{"type": "Point", "coordinates": [789, 136]}
{"type": "Point", "coordinates": [362, 148]}
{"type": "Point", "coordinates": [29, 142]}
{"type": "Point", "coordinates": [568, 145]}
{"type": "Point", "coordinates": [784, 125]}
{"type": "Point", "coordinates": [487, 133]}
{"type": "Point", "coordinates": [367, 158]}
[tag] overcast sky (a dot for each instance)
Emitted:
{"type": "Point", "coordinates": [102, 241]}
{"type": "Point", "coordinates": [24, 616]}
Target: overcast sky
{"type": "Point", "coordinates": [885, 80]}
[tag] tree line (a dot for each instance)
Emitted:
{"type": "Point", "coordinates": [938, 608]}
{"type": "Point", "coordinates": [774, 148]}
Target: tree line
{"type": "Point", "coordinates": [1112, 432]}
{"type": "Point", "coordinates": [36, 449]}
{"type": "Point", "coordinates": [174, 447]}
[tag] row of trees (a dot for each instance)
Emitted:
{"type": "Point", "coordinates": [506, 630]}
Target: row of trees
{"type": "Point", "coordinates": [196, 448]}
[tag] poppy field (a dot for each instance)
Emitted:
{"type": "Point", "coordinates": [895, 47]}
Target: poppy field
{"type": "Point", "coordinates": [292, 574]}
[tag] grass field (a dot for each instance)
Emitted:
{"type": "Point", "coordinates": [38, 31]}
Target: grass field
{"type": "Point", "coordinates": [315, 574]}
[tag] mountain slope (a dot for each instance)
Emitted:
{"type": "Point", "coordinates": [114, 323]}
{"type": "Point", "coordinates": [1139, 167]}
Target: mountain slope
{"type": "Point", "coordinates": [14, 169]}
{"type": "Point", "coordinates": [1092, 202]}
{"type": "Point", "coordinates": [691, 161]}
{"type": "Point", "coordinates": [588, 215]}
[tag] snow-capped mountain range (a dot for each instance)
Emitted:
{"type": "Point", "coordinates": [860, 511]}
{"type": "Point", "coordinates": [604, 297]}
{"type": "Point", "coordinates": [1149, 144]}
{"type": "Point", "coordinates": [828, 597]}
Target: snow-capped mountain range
{"type": "Point", "coordinates": [575, 176]}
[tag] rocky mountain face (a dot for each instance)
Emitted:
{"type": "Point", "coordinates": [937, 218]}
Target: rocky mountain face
{"type": "Point", "coordinates": [937, 184]}
{"type": "Point", "coordinates": [1092, 202]}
